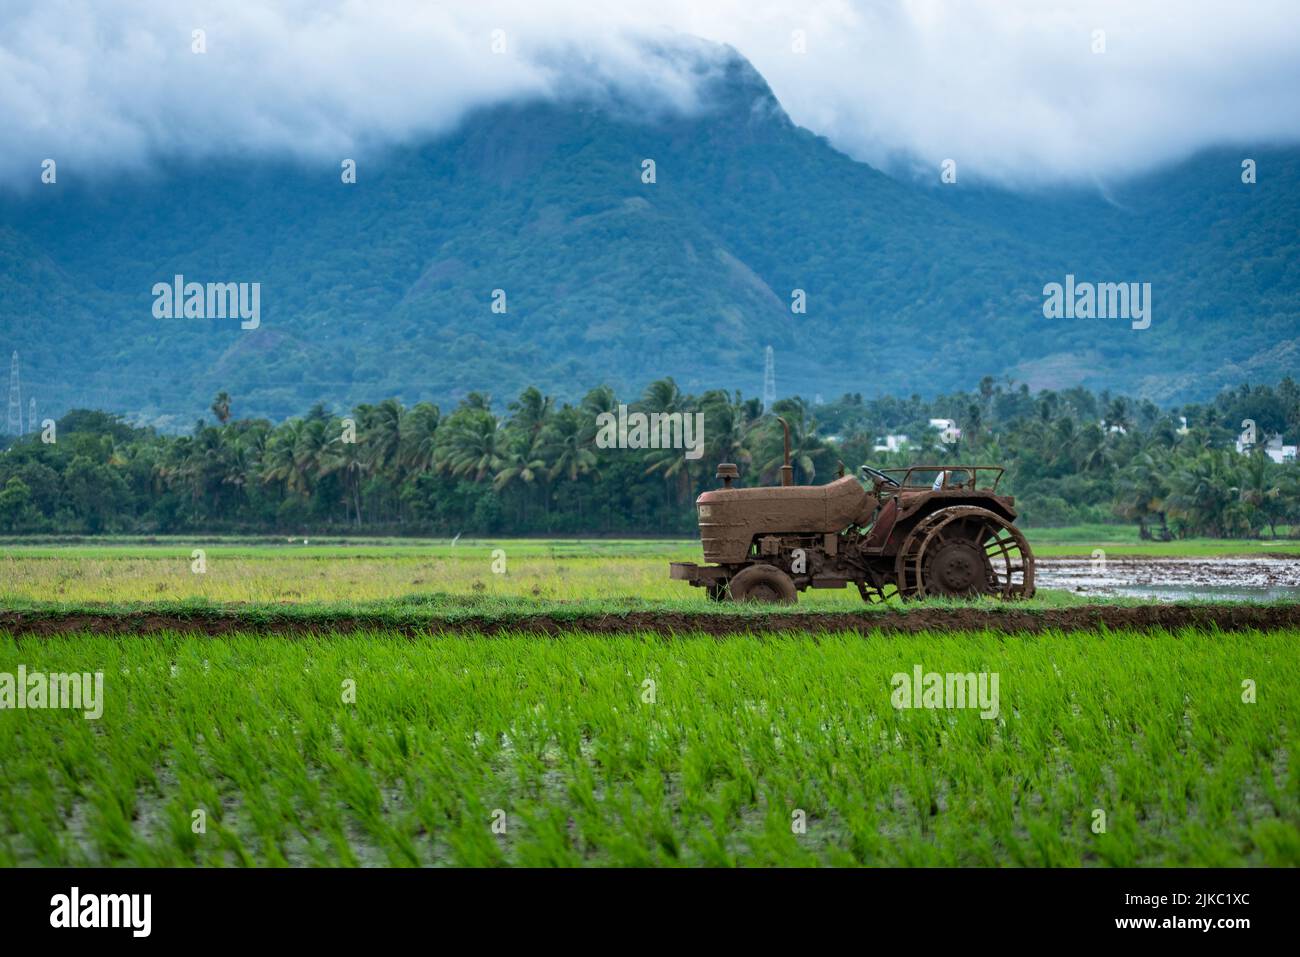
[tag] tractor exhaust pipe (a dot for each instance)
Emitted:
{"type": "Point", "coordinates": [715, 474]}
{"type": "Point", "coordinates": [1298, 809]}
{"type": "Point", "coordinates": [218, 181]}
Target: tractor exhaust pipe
{"type": "Point", "coordinates": [787, 470]}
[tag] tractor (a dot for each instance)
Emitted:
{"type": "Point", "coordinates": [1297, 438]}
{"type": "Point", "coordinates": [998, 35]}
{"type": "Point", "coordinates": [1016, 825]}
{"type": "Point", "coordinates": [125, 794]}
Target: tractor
{"type": "Point", "coordinates": [907, 532]}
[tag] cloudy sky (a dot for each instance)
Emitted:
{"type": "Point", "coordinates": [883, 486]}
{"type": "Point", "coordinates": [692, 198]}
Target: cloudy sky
{"type": "Point", "coordinates": [1011, 89]}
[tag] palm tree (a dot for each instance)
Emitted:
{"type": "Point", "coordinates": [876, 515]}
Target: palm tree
{"type": "Point", "coordinates": [566, 445]}
{"type": "Point", "coordinates": [727, 426]}
{"type": "Point", "coordinates": [277, 461]}
{"type": "Point", "coordinates": [1204, 494]}
{"type": "Point", "coordinates": [1118, 415]}
{"type": "Point", "coordinates": [1091, 454]}
{"type": "Point", "coordinates": [1140, 491]}
{"type": "Point", "coordinates": [806, 449]}
{"type": "Point", "coordinates": [1288, 506]}
{"type": "Point", "coordinates": [600, 399]}
{"type": "Point", "coordinates": [419, 437]}
{"type": "Point", "coordinates": [312, 450]}
{"type": "Point", "coordinates": [349, 461]}
{"type": "Point", "coordinates": [474, 446]}
{"type": "Point", "coordinates": [221, 407]}
{"type": "Point", "coordinates": [974, 423]}
{"type": "Point", "coordinates": [382, 434]}
{"type": "Point", "coordinates": [664, 397]}
{"type": "Point", "coordinates": [1261, 492]}
{"type": "Point", "coordinates": [518, 466]}
{"type": "Point", "coordinates": [243, 455]}
{"type": "Point", "coordinates": [532, 411]}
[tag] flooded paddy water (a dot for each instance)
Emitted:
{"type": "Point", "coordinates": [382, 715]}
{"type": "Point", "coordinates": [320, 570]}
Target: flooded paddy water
{"type": "Point", "coordinates": [1254, 578]}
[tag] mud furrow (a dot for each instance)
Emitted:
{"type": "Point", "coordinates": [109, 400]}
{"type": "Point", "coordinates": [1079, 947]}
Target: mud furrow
{"type": "Point", "coordinates": [1004, 620]}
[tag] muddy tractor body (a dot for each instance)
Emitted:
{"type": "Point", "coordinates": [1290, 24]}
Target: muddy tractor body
{"type": "Point", "coordinates": [925, 530]}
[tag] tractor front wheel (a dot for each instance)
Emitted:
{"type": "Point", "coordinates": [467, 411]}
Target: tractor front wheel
{"type": "Point", "coordinates": [764, 583]}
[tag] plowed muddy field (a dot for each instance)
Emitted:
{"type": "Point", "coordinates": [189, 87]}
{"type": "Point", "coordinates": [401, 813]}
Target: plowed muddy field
{"type": "Point", "coordinates": [1255, 578]}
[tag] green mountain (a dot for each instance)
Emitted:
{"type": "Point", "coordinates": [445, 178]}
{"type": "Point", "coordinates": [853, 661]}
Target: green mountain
{"type": "Point", "coordinates": [385, 287]}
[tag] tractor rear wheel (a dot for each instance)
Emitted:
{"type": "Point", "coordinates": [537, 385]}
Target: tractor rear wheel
{"type": "Point", "coordinates": [963, 552]}
{"type": "Point", "coordinates": [763, 583]}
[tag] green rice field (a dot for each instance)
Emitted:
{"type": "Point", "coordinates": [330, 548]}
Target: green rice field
{"type": "Point", "coordinates": [433, 746]}
{"type": "Point", "coordinates": [636, 750]}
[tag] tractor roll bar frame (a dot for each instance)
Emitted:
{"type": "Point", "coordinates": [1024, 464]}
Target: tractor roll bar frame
{"type": "Point", "coordinates": [972, 473]}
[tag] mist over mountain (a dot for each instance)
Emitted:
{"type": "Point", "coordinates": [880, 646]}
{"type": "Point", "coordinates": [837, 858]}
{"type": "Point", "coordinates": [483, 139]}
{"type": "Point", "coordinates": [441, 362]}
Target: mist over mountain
{"type": "Point", "coordinates": [386, 286]}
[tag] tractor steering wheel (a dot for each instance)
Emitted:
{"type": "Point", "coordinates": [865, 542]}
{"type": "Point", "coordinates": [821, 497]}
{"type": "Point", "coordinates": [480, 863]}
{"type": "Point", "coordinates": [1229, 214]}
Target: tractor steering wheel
{"type": "Point", "coordinates": [877, 475]}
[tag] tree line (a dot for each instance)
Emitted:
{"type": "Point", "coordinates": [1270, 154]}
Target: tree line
{"type": "Point", "coordinates": [534, 467]}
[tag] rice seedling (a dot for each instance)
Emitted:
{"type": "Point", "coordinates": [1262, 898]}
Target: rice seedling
{"type": "Point", "coordinates": [368, 748]}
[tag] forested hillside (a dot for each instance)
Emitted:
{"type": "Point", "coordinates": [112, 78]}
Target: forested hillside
{"type": "Point", "coordinates": [385, 286]}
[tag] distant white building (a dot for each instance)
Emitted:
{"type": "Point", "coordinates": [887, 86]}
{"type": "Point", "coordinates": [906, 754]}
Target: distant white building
{"type": "Point", "coordinates": [948, 430]}
{"type": "Point", "coordinates": [891, 443]}
{"type": "Point", "coordinates": [1274, 447]}
{"type": "Point", "coordinates": [1182, 425]}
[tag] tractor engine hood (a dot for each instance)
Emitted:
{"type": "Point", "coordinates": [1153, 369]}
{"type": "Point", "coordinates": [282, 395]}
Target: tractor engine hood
{"type": "Point", "coordinates": [731, 517]}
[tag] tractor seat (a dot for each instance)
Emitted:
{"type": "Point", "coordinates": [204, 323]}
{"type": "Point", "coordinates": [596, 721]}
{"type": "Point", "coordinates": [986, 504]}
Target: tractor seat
{"type": "Point", "coordinates": [883, 525]}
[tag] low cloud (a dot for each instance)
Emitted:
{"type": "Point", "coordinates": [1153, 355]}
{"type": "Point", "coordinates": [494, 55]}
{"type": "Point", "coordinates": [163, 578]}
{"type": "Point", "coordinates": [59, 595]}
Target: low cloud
{"type": "Point", "coordinates": [1010, 89]}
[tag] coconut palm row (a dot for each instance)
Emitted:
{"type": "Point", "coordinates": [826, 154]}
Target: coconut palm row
{"type": "Point", "coordinates": [379, 454]}
{"type": "Point", "coordinates": [534, 466]}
